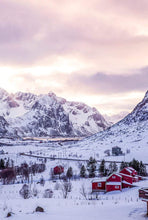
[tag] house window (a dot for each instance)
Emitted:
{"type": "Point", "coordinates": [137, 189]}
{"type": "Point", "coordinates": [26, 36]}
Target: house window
{"type": "Point", "coordinates": [113, 177]}
{"type": "Point", "coordinates": [116, 187]}
{"type": "Point", "coordinates": [99, 184]}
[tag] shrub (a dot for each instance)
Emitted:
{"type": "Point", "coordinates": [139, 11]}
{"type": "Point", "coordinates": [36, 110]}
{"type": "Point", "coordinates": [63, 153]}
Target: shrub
{"type": "Point", "coordinates": [48, 193]}
{"type": "Point", "coordinates": [25, 192]}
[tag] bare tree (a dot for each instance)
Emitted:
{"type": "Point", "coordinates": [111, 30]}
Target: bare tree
{"type": "Point", "coordinates": [8, 175]}
{"type": "Point", "coordinates": [48, 193]}
{"type": "Point", "coordinates": [83, 191]}
{"type": "Point", "coordinates": [57, 186]}
{"type": "Point", "coordinates": [66, 188]}
{"type": "Point", "coordinates": [34, 190]}
{"type": "Point", "coordinates": [42, 181]}
{"type": "Point", "coordinates": [25, 192]}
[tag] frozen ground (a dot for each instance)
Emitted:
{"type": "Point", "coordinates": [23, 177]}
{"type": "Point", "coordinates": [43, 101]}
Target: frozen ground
{"type": "Point", "coordinates": [79, 150]}
{"type": "Point", "coordinates": [111, 206]}
{"type": "Point", "coordinates": [114, 206]}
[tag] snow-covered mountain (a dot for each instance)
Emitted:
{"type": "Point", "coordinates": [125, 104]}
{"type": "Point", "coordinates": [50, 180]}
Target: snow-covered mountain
{"type": "Point", "coordinates": [129, 133]}
{"type": "Point", "coordinates": [27, 114]}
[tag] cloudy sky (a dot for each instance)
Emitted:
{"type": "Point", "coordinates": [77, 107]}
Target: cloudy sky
{"type": "Point", "coordinates": [91, 51]}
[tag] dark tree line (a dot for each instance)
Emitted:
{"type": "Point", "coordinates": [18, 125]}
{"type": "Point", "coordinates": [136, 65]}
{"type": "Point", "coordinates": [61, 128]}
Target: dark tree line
{"type": "Point", "coordinates": [8, 171]}
{"type": "Point", "coordinates": [103, 170]}
{"type": "Point", "coordinates": [137, 165]}
{"type": "Point", "coordinates": [25, 170]}
{"type": "Point", "coordinates": [6, 163]}
{"type": "Point", "coordinates": [8, 175]}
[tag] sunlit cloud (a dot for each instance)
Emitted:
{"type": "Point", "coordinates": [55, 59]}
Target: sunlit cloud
{"type": "Point", "coordinates": [90, 51]}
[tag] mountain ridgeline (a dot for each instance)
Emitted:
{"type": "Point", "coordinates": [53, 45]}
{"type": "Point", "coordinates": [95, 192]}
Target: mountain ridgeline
{"type": "Point", "coordinates": [129, 132]}
{"type": "Point", "coordinates": [28, 115]}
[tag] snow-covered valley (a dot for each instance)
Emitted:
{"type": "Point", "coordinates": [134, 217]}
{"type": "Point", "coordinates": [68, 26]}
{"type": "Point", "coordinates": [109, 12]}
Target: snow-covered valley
{"type": "Point", "coordinates": [124, 205]}
{"type": "Point", "coordinates": [113, 205]}
{"type": "Point", "coordinates": [130, 134]}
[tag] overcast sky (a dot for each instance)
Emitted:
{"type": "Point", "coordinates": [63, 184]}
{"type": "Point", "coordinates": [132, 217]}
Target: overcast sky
{"type": "Point", "coordinates": [91, 51]}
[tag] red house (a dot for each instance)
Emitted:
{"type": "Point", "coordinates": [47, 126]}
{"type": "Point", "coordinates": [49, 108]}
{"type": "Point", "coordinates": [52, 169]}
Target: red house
{"type": "Point", "coordinates": [134, 172]}
{"type": "Point", "coordinates": [98, 185]}
{"type": "Point", "coordinates": [135, 179]}
{"type": "Point", "coordinates": [127, 178]}
{"type": "Point", "coordinates": [58, 170]}
{"type": "Point", "coordinates": [113, 186]}
{"type": "Point", "coordinates": [126, 171]}
{"type": "Point", "coordinates": [130, 172]}
{"type": "Point", "coordinates": [126, 184]}
{"type": "Point", "coordinates": [114, 182]}
{"type": "Point", "coordinates": [114, 177]}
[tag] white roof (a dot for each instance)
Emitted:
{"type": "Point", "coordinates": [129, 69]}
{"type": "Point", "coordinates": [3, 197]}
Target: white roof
{"type": "Point", "coordinates": [123, 174]}
{"type": "Point", "coordinates": [128, 170]}
{"type": "Point", "coordinates": [117, 174]}
{"type": "Point", "coordinates": [131, 168]}
{"type": "Point", "coordinates": [127, 182]}
{"type": "Point", "coordinates": [136, 177]}
{"type": "Point", "coordinates": [98, 180]}
{"type": "Point", "coordinates": [114, 183]}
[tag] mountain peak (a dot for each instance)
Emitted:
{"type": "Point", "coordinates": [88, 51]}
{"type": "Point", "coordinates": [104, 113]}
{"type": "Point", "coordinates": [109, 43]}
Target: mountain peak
{"type": "Point", "coordinates": [129, 133]}
{"type": "Point", "coordinates": [52, 94]}
{"type": "Point", "coordinates": [3, 93]}
{"type": "Point", "coordinates": [49, 115]}
{"type": "Point", "coordinates": [146, 95]}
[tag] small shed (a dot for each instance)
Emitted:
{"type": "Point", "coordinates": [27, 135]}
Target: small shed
{"type": "Point", "coordinates": [116, 151]}
{"type": "Point", "coordinates": [98, 185]}
{"type": "Point", "coordinates": [143, 194]}
{"type": "Point", "coordinates": [58, 170]}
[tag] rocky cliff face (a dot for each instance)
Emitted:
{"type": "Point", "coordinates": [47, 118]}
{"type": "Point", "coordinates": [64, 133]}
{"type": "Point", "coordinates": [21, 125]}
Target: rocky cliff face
{"type": "Point", "coordinates": [140, 112]}
{"type": "Point", "coordinates": [27, 114]}
{"type": "Point", "coordinates": [3, 126]}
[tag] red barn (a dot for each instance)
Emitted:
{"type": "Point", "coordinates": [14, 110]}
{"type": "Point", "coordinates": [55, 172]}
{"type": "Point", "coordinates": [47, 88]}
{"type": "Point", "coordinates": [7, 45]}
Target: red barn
{"type": "Point", "coordinates": [126, 171]}
{"type": "Point", "coordinates": [134, 172]}
{"type": "Point", "coordinates": [127, 178]}
{"type": "Point", "coordinates": [114, 182]}
{"type": "Point", "coordinates": [98, 185]}
{"type": "Point", "coordinates": [135, 179]}
{"type": "Point", "coordinates": [58, 170]}
{"type": "Point", "coordinates": [126, 184]}
{"type": "Point", "coordinates": [114, 177]}
{"type": "Point", "coordinates": [129, 171]}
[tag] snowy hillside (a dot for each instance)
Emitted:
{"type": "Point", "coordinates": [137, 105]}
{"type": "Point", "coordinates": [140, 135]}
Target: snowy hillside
{"type": "Point", "coordinates": [26, 114]}
{"type": "Point", "coordinates": [130, 133]}
{"type": "Point", "coordinates": [124, 205]}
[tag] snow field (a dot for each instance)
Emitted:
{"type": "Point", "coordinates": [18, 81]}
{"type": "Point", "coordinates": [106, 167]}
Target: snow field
{"type": "Point", "coordinates": [110, 206]}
